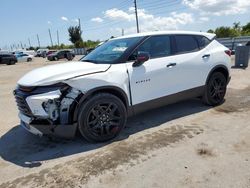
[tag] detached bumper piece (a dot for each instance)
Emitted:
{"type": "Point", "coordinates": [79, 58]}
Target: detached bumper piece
{"type": "Point", "coordinates": [65, 131]}
{"type": "Point", "coordinates": [47, 111]}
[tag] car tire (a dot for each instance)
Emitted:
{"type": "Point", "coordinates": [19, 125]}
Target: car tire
{"type": "Point", "coordinates": [55, 58]}
{"type": "Point", "coordinates": [11, 62]}
{"type": "Point", "coordinates": [102, 117]}
{"type": "Point", "coordinates": [29, 59]}
{"type": "Point", "coordinates": [215, 89]}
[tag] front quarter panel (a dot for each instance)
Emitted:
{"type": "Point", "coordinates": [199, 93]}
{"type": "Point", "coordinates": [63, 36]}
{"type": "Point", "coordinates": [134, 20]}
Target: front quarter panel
{"type": "Point", "coordinates": [115, 76]}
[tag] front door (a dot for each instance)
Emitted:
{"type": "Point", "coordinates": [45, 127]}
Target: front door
{"type": "Point", "coordinates": [156, 77]}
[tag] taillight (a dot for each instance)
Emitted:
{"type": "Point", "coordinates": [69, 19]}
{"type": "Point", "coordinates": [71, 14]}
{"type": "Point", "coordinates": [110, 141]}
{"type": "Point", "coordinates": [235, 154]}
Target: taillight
{"type": "Point", "coordinates": [228, 52]}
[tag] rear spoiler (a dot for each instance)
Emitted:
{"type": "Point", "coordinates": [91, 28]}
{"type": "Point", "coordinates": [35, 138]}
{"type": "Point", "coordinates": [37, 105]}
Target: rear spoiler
{"type": "Point", "coordinates": [210, 36]}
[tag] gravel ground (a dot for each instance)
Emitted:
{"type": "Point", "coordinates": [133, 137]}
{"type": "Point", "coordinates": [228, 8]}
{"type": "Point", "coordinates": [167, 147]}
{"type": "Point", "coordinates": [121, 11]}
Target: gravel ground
{"type": "Point", "coordinates": [182, 145]}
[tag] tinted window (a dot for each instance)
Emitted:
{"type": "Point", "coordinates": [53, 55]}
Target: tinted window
{"type": "Point", "coordinates": [5, 55]}
{"type": "Point", "coordinates": [186, 43]}
{"type": "Point", "coordinates": [156, 46]}
{"type": "Point", "coordinates": [202, 41]}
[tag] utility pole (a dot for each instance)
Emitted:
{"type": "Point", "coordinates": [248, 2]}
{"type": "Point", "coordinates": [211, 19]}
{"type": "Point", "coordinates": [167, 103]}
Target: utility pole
{"type": "Point", "coordinates": [136, 17]}
{"type": "Point", "coordinates": [21, 45]}
{"type": "Point", "coordinates": [57, 33]}
{"type": "Point", "coordinates": [38, 40]}
{"type": "Point", "coordinates": [50, 38]}
{"type": "Point", "coordinates": [79, 21]}
{"type": "Point", "coordinates": [29, 42]}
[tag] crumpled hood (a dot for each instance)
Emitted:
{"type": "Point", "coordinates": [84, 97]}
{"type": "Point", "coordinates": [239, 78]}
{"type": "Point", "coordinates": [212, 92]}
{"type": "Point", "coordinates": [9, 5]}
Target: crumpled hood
{"type": "Point", "coordinates": [56, 73]}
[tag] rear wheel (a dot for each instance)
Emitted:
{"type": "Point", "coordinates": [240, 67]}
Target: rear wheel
{"type": "Point", "coordinates": [11, 62]}
{"type": "Point", "coordinates": [29, 59]}
{"type": "Point", "coordinates": [215, 89]}
{"type": "Point", "coordinates": [102, 117]}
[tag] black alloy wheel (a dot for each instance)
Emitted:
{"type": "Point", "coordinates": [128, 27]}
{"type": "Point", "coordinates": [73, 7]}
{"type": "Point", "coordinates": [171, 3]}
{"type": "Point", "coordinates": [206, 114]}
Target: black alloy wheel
{"type": "Point", "coordinates": [102, 117]}
{"type": "Point", "coordinates": [215, 89]}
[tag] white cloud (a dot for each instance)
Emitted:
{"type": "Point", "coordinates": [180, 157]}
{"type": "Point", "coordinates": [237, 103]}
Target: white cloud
{"type": "Point", "coordinates": [219, 7]}
{"type": "Point", "coordinates": [97, 19]}
{"type": "Point", "coordinates": [74, 20]}
{"type": "Point", "coordinates": [64, 18]}
{"type": "Point", "coordinates": [49, 22]}
{"type": "Point", "coordinates": [117, 14]}
{"type": "Point", "coordinates": [204, 19]}
{"type": "Point", "coordinates": [149, 22]}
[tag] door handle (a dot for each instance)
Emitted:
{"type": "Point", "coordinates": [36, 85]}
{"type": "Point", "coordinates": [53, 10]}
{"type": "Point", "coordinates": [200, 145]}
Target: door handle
{"type": "Point", "coordinates": [171, 64]}
{"type": "Point", "coordinates": [206, 56]}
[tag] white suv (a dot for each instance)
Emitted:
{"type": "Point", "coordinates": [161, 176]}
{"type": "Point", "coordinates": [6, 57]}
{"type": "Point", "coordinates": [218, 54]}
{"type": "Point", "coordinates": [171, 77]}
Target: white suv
{"type": "Point", "coordinates": [120, 78]}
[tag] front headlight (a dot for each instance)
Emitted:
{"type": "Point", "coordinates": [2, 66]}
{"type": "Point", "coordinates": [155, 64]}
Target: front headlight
{"type": "Point", "coordinates": [39, 104]}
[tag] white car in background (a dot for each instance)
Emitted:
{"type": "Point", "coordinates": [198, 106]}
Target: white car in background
{"type": "Point", "coordinates": [123, 77]}
{"type": "Point", "coordinates": [41, 52]}
{"type": "Point", "coordinates": [23, 57]}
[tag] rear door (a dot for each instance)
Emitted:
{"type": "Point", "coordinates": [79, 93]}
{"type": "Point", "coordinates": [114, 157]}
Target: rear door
{"type": "Point", "coordinates": [5, 58]}
{"type": "Point", "coordinates": [23, 58]}
{"type": "Point", "coordinates": [192, 62]}
{"type": "Point", "coordinates": [61, 54]}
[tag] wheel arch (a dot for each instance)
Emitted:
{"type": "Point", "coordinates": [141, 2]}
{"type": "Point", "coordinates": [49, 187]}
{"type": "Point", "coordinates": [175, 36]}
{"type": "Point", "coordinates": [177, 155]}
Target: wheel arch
{"type": "Point", "coordinates": [114, 90]}
{"type": "Point", "coordinates": [219, 68]}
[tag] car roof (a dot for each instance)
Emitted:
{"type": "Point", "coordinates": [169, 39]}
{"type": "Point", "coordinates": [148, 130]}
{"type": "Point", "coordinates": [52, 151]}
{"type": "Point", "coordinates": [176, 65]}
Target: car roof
{"type": "Point", "coordinates": [144, 34]}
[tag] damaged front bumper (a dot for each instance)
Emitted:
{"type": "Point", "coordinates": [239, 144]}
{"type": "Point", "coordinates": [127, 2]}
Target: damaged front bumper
{"type": "Point", "coordinates": [46, 112]}
{"type": "Point", "coordinates": [65, 131]}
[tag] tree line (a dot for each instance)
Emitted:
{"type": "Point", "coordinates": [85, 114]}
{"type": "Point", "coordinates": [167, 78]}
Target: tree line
{"type": "Point", "coordinates": [235, 31]}
{"type": "Point", "coordinates": [75, 36]}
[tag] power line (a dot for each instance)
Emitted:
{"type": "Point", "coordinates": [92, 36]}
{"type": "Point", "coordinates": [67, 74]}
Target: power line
{"type": "Point", "coordinates": [156, 3]}
{"type": "Point", "coordinates": [161, 6]}
{"type": "Point", "coordinates": [158, 6]}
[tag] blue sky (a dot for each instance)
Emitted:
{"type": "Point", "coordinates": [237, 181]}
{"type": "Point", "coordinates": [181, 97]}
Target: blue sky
{"type": "Point", "coordinates": [23, 19]}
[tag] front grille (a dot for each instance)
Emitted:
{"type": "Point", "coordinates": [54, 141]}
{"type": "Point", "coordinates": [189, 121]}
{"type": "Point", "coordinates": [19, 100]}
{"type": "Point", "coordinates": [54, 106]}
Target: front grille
{"type": "Point", "coordinates": [21, 103]}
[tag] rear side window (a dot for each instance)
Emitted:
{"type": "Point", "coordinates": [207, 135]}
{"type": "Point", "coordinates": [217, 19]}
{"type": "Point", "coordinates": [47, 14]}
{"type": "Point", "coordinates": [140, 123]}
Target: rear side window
{"type": "Point", "coordinates": [202, 41]}
{"type": "Point", "coordinates": [156, 46]}
{"type": "Point", "coordinates": [5, 55]}
{"type": "Point", "coordinates": [186, 44]}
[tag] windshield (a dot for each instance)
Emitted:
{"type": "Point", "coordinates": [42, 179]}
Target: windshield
{"type": "Point", "coordinates": [111, 51]}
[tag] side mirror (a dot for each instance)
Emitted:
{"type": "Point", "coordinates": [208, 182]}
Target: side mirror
{"type": "Point", "coordinates": [141, 58]}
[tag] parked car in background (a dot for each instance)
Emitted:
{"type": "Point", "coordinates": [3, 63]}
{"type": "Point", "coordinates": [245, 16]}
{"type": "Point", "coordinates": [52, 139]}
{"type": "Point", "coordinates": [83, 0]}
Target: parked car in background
{"type": "Point", "coordinates": [51, 52]}
{"type": "Point", "coordinates": [23, 57]}
{"type": "Point", "coordinates": [30, 52]}
{"type": "Point", "coordinates": [41, 52]}
{"type": "Point", "coordinates": [7, 58]}
{"type": "Point", "coordinates": [89, 50]}
{"type": "Point", "coordinates": [62, 54]}
{"type": "Point", "coordinates": [123, 77]}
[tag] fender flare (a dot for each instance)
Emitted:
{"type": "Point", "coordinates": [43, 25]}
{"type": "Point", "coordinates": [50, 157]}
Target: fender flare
{"type": "Point", "coordinates": [217, 67]}
{"type": "Point", "coordinates": [120, 93]}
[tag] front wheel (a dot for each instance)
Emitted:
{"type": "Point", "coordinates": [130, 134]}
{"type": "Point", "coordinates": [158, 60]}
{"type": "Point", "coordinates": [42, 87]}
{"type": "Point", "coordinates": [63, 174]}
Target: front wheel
{"type": "Point", "coordinates": [102, 117]}
{"type": "Point", "coordinates": [215, 89]}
